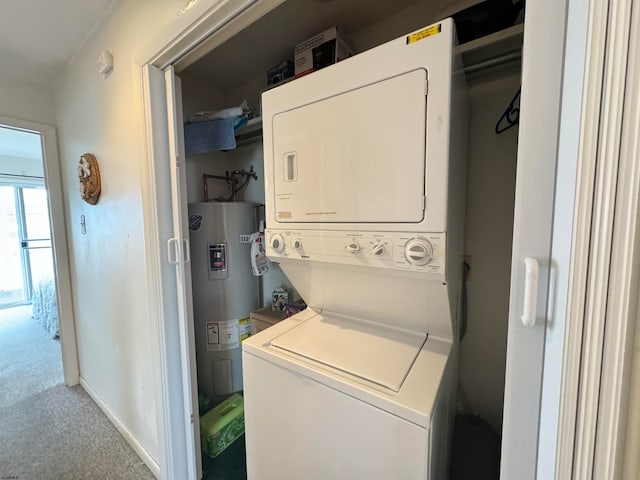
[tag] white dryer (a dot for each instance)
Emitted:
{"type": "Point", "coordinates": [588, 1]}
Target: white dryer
{"type": "Point", "coordinates": [364, 180]}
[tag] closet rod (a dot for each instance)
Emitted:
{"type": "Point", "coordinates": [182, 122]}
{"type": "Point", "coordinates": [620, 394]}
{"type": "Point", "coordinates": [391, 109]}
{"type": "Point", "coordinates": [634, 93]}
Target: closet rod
{"type": "Point", "coordinates": [493, 62]}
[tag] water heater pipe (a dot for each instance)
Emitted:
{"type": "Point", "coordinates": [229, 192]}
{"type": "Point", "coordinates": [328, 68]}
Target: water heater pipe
{"type": "Point", "coordinates": [232, 182]}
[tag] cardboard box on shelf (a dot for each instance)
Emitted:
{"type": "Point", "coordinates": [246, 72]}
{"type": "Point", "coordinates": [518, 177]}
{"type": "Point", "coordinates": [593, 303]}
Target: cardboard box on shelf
{"type": "Point", "coordinates": [320, 51]}
{"type": "Point", "coordinates": [279, 73]}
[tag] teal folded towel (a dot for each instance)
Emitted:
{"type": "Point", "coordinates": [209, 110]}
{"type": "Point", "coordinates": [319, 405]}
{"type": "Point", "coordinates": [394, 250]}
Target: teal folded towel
{"type": "Point", "coordinates": [210, 135]}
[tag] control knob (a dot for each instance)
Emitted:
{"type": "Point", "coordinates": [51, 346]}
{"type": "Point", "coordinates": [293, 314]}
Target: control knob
{"type": "Point", "coordinates": [296, 244]}
{"type": "Point", "coordinates": [418, 251]}
{"type": "Point", "coordinates": [277, 243]}
{"type": "Point", "coordinates": [377, 248]}
{"type": "Point", "coordinates": [353, 247]}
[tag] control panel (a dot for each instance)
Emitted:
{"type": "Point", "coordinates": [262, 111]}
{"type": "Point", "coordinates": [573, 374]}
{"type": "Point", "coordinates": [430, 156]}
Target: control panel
{"type": "Point", "coordinates": [401, 251]}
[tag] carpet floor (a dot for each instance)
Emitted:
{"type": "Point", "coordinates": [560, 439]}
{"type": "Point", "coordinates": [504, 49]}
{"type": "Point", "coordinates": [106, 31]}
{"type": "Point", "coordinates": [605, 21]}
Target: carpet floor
{"type": "Point", "coordinates": [48, 430]}
{"type": "Point", "coordinates": [30, 360]}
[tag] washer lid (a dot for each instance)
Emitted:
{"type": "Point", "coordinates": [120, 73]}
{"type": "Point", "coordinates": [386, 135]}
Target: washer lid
{"type": "Point", "coordinates": [374, 352]}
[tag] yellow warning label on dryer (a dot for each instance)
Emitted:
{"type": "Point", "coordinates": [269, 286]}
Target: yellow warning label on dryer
{"type": "Point", "coordinates": [424, 33]}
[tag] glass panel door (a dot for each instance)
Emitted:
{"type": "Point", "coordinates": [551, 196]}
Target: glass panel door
{"type": "Point", "coordinates": [36, 241]}
{"type": "Point", "coordinates": [12, 280]}
{"type": "Point", "coordinates": [26, 257]}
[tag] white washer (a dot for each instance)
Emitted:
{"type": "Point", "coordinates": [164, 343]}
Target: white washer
{"type": "Point", "coordinates": [364, 181]}
{"type": "Point", "coordinates": [344, 398]}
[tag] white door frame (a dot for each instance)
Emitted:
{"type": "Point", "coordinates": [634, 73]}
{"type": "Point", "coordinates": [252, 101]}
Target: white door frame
{"type": "Point", "coordinates": [621, 297]}
{"type": "Point", "coordinates": [174, 410]}
{"type": "Point", "coordinates": [598, 379]}
{"type": "Point", "coordinates": [62, 273]}
{"type": "Point", "coordinates": [622, 312]}
{"type": "Point", "coordinates": [592, 273]}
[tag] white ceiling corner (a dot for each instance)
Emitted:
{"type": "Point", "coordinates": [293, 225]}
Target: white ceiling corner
{"type": "Point", "coordinates": [38, 37]}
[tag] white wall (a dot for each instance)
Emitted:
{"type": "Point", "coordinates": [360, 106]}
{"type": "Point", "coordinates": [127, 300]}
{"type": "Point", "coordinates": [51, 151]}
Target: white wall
{"type": "Point", "coordinates": [491, 173]}
{"type": "Point", "coordinates": [116, 336]}
{"type": "Point", "coordinates": [26, 102]}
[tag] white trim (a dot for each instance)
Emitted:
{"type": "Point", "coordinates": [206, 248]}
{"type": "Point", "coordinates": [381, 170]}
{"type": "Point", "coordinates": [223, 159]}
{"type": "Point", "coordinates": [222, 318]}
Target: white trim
{"type": "Point", "coordinates": [128, 436]}
{"type": "Point", "coordinates": [173, 414]}
{"type": "Point", "coordinates": [183, 274]}
{"type": "Point", "coordinates": [563, 228]}
{"type": "Point", "coordinates": [623, 289]}
{"type": "Point", "coordinates": [154, 284]}
{"type": "Point", "coordinates": [53, 181]}
{"type": "Point", "coordinates": [631, 442]}
{"type": "Point", "coordinates": [606, 176]}
{"type": "Point", "coordinates": [221, 13]}
{"type": "Point", "coordinates": [580, 240]}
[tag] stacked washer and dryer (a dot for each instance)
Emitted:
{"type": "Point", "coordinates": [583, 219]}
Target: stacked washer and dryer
{"type": "Point", "coordinates": [364, 183]}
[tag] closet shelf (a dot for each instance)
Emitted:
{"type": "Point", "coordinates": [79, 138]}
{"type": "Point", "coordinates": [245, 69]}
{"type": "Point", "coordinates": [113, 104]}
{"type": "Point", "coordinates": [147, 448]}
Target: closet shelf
{"type": "Point", "coordinates": [251, 132]}
{"type": "Point", "coordinates": [497, 49]}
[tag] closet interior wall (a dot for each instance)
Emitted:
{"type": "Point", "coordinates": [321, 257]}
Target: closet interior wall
{"type": "Point", "coordinates": [491, 177]}
{"type": "Point", "coordinates": [490, 185]}
{"type": "Point", "coordinates": [197, 97]}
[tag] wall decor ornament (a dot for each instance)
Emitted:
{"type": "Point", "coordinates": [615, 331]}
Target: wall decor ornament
{"type": "Point", "coordinates": [89, 175]}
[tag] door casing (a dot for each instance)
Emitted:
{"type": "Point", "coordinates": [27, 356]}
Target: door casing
{"type": "Point", "coordinates": [53, 183]}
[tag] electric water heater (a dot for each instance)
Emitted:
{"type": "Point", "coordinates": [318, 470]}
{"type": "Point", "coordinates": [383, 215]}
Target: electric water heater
{"type": "Point", "coordinates": [224, 292]}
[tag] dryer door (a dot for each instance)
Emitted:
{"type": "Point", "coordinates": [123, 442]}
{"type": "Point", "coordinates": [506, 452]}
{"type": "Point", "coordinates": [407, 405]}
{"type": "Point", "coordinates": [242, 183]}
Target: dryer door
{"type": "Point", "coordinates": [356, 157]}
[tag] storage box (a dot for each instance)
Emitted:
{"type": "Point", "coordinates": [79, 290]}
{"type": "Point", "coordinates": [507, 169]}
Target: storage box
{"type": "Point", "coordinates": [264, 318]}
{"type": "Point", "coordinates": [222, 425]}
{"type": "Point", "coordinates": [280, 72]}
{"type": "Point", "coordinates": [320, 51]}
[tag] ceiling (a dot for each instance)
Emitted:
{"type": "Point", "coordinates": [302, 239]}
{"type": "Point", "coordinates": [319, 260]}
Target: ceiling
{"type": "Point", "coordinates": [38, 37]}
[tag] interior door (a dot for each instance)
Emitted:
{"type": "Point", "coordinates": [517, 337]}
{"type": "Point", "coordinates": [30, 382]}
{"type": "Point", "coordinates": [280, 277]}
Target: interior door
{"type": "Point", "coordinates": [542, 66]}
{"type": "Point", "coordinates": [181, 457]}
{"type": "Point", "coordinates": [179, 246]}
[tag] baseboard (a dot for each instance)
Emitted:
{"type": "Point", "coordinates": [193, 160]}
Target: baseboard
{"type": "Point", "coordinates": [128, 436]}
